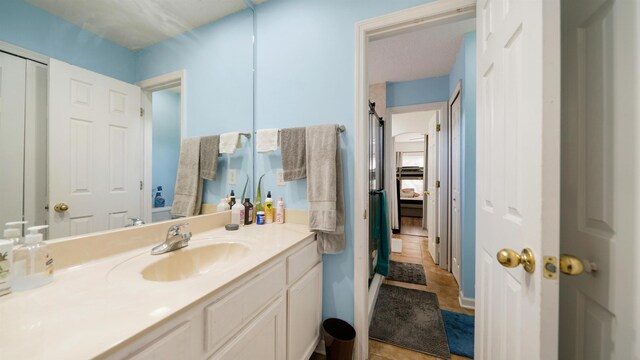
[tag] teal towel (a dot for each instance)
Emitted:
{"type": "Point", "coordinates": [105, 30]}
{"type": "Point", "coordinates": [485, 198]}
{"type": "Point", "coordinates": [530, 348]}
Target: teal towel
{"type": "Point", "coordinates": [381, 233]}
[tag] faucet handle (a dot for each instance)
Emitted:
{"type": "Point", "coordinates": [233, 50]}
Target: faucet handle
{"type": "Point", "coordinates": [175, 229]}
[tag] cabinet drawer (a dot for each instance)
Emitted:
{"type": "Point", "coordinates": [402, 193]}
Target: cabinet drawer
{"type": "Point", "coordinates": [300, 262]}
{"type": "Point", "coordinates": [226, 316]}
{"type": "Point", "coordinates": [174, 344]}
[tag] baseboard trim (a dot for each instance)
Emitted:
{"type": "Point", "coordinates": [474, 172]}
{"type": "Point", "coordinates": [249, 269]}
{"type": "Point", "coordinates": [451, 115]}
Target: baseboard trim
{"type": "Point", "coordinates": [374, 288]}
{"type": "Point", "coordinates": [320, 348]}
{"type": "Point", "coordinates": [467, 303]}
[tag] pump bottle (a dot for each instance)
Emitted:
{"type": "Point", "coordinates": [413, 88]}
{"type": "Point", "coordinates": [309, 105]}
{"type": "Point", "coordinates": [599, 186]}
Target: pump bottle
{"type": "Point", "coordinates": [32, 262]}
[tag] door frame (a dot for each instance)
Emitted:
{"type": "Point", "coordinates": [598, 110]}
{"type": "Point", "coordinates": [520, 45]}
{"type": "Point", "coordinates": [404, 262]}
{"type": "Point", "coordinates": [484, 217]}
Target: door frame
{"type": "Point", "coordinates": [147, 87]}
{"type": "Point", "coordinates": [436, 12]}
{"type": "Point", "coordinates": [442, 171]}
{"type": "Point", "coordinates": [456, 94]}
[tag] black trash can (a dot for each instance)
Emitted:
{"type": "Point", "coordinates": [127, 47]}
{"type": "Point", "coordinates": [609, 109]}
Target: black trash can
{"type": "Point", "coordinates": [339, 337]}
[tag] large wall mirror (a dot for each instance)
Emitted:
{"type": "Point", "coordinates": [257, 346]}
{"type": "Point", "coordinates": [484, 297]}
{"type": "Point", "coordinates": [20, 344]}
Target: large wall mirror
{"type": "Point", "coordinates": [97, 96]}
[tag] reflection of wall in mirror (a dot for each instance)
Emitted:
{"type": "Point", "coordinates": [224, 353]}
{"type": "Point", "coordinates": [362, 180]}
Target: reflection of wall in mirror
{"type": "Point", "coordinates": [166, 142]}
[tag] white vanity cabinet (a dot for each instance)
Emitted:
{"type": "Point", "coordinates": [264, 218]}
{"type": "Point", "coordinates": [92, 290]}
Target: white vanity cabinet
{"type": "Point", "coordinates": [273, 312]}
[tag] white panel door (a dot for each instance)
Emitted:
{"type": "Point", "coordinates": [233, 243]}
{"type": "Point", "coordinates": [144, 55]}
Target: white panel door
{"type": "Point", "coordinates": [599, 316]}
{"type": "Point", "coordinates": [518, 176]}
{"type": "Point", "coordinates": [95, 158]}
{"type": "Point", "coordinates": [455, 189]}
{"type": "Point", "coordinates": [12, 110]}
{"type": "Point", "coordinates": [431, 193]}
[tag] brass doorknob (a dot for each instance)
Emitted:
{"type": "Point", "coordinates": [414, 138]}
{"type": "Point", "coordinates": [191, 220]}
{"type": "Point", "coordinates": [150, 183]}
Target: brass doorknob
{"type": "Point", "coordinates": [509, 258]}
{"type": "Point", "coordinates": [426, 193]}
{"type": "Point", "coordinates": [61, 207]}
{"type": "Point", "coordinates": [573, 266]}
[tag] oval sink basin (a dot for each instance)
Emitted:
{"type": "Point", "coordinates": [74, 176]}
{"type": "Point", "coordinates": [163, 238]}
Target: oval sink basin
{"type": "Point", "coordinates": [189, 262]}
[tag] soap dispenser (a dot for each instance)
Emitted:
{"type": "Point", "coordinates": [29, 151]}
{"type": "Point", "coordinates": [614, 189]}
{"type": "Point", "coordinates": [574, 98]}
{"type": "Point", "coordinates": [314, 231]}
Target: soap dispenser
{"type": "Point", "coordinates": [13, 232]}
{"type": "Point", "coordinates": [32, 262]}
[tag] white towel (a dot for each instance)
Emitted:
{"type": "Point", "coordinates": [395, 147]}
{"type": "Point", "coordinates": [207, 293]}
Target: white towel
{"type": "Point", "coordinates": [266, 140]}
{"type": "Point", "coordinates": [229, 142]}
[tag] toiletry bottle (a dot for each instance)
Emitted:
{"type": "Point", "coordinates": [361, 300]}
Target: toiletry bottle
{"type": "Point", "coordinates": [268, 208]}
{"type": "Point", "coordinates": [248, 212]}
{"type": "Point", "coordinates": [260, 218]}
{"type": "Point", "coordinates": [223, 205]}
{"type": "Point", "coordinates": [232, 199]}
{"type": "Point", "coordinates": [280, 211]}
{"type": "Point", "coordinates": [237, 214]}
{"type": "Point", "coordinates": [32, 262]}
{"type": "Point", "coordinates": [13, 232]}
{"type": "Point", "coordinates": [6, 262]}
{"type": "Point", "coordinates": [158, 201]}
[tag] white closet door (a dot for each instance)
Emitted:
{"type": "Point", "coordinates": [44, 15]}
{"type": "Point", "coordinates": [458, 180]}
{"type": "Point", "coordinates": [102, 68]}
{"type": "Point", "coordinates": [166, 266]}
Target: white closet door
{"type": "Point", "coordinates": [96, 149]}
{"type": "Point", "coordinates": [12, 107]}
{"type": "Point", "coordinates": [431, 193]}
{"type": "Point", "coordinates": [599, 317]}
{"type": "Point", "coordinates": [456, 222]}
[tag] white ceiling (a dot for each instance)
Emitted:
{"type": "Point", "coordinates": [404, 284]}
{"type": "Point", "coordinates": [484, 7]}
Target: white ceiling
{"type": "Point", "coordinates": [418, 54]}
{"type": "Point", "coordinates": [141, 23]}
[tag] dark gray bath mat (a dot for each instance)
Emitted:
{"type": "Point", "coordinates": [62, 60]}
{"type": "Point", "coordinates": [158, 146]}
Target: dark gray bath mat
{"type": "Point", "coordinates": [410, 319]}
{"type": "Point", "coordinates": [405, 272]}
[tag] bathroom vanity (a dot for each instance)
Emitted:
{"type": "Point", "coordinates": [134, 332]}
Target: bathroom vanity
{"type": "Point", "coordinates": [255, 293]}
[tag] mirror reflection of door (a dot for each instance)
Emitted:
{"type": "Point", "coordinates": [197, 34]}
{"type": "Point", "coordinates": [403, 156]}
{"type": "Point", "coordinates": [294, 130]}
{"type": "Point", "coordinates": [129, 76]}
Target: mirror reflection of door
{"type": "Point", "coordinates": [166, 129]}
{"type": "Point", "coordinates": [23, 140]}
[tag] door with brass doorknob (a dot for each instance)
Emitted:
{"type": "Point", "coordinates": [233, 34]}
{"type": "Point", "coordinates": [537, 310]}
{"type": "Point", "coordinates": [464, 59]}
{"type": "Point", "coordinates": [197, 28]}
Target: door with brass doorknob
{"type": "Point", "coordinates": [61, 208]}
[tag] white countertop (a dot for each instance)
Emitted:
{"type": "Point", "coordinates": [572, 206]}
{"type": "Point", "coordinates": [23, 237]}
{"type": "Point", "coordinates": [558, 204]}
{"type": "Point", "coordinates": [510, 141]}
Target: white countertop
{"type": "Point", "coordinates": [87, 312]}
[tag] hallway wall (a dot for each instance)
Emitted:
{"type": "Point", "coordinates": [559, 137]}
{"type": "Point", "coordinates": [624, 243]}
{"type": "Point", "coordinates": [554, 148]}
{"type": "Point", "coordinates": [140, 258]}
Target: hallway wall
{"type": "Point", "coordinates": [464, 70]}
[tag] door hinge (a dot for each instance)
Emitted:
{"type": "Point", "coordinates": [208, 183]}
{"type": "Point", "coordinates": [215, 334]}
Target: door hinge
{"type": "Point", "coordinates": [364, 216]}
{"type": "Point", "coordinates": [437, 240]}
{"type": "Point", "coordinates": [437, 127]}
{"type": "Point", "coordinates": [141, 112]}
{"type": "Point", "coordinates": [437, 183]}
{"type": "Point", "coordinates": [141, 184]}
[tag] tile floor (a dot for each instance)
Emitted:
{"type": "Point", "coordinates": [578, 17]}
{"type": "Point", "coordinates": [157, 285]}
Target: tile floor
{"type": "Point", "coordinates": [441, 282]}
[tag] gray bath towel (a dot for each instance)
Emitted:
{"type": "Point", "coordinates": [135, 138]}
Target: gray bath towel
{"type": "Point", "coordinates": [188, 193]}
{"type": "Point", "coordinates": [209, 157]}
{"type": "Point", "coordinates": [292, 144]}
{"type": "Point", "coordinates": [324, 188]}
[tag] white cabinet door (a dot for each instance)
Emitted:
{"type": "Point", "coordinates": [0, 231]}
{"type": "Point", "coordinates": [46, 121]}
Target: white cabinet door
{"type": "Point", "coordinates": [95, 161]}
{"type": "Point", "coordinates": [518, 176]}
{"type": "Point", "coordinates": [304, 314]}
{"type": "Point", "coordinates": [264, 338]}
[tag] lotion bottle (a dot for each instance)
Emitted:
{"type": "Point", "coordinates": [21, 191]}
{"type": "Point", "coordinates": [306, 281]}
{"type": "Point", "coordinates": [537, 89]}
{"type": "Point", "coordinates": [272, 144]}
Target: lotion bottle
{"type": "Point", "coordinates": [280, 211]}
{"type": "Point", "coordinates": [268, 208]}
{"type": "Point", "coordinates": [237, 214]}
{"type": "Point", "coordinates": [32, 262]}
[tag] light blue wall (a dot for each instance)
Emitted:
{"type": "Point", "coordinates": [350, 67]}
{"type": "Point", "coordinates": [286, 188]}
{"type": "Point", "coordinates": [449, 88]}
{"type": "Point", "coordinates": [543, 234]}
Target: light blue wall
{"type": "Point", "coordinates": [31, 28]}
{"type": "Point", "coordinates": [166, 142]}
{"type": "Point", "coordinates": [305, 76]}
{"type": "Point", "coordinates": [421, 91]}
{"type": "Point", "coordinates": [464, 70]}
{"type": "Point", "coordinates": [218, 59]}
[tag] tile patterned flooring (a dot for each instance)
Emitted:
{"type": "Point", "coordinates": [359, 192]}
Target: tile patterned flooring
{"type": "Point", "coordinates": [415, 250]}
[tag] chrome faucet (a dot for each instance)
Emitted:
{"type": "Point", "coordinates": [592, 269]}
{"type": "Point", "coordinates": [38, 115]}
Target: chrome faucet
{"type": "Point", "coordinates": [175, 240]}
{"type": "Point", "coordinates": [135, 222]}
